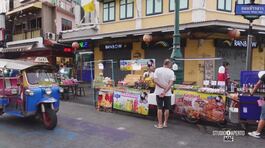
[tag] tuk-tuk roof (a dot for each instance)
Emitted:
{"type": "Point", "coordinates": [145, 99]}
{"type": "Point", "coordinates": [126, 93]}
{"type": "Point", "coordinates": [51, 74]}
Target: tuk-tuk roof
{"type": "Point", "coordinates": [17, 64]}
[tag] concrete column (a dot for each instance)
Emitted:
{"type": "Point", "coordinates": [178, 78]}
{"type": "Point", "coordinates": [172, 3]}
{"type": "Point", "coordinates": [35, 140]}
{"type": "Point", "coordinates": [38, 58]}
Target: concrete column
{"type": "Point", "coordinates": [198, 10]}
{"type": "Point", "coordinates": [2, 20]}
{"type": "Point", "coordinates": [138, 14]}
{"type": "Point", "coordinates": [77, 13]}
{"type": "Point", "coordinates": [262, 18]}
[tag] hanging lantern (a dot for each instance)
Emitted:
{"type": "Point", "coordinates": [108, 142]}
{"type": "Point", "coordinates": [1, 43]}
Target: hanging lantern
{"type": "Point", "coordinates": [75, 45]}
{"type": "Point", "coordinates": [147, 38]}
{"type": "Point", "coordinates": [234, 34]}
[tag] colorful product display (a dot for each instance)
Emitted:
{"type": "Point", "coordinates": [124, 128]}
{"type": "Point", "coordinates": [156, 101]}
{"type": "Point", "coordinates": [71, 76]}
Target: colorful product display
{"type": "Point", "coordinates": [105, 99]}
{"type": "Point", "coordinates": [200, 105]}
{"type": "Point", "coordinates": [130, 102]}
{"type": "Point", "coordinates": [140, 64]}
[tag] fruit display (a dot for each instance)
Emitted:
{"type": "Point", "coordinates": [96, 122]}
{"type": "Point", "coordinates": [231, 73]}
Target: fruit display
{"type": "Point", "coordinates": [149, 81]}
{"type": "Point", "coordinates": [130, 79]}
{"type": "Point", "coordinates": [101, 82]}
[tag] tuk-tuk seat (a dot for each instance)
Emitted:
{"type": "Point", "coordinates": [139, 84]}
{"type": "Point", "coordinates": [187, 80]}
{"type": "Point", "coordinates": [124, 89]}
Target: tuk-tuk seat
{"type": "Point", "coordinates": [11, 87]}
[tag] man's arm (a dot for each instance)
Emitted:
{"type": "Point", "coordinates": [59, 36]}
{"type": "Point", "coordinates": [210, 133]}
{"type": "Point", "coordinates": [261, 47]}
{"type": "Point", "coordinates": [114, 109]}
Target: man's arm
{"type": "Point", "coordinates": [256, 87]}
{"type": "Point", "coordinates": [158, 84]}
{"type": "Point", "coordinates": [170, 83]}
{"type": "Point", "coordinates": [169, 86]}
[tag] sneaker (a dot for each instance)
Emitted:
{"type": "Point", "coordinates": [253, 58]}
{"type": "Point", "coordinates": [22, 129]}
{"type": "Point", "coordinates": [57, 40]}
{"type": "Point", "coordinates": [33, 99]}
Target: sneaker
{"type": "Point", "coordinates": [254, 134]}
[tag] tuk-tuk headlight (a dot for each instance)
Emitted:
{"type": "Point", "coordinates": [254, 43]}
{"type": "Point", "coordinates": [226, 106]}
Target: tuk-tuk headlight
{"type": "Point", "coordinates": [48, 91]}
{"type": "Point", "coordinates": [29, 92]}
{"type": "Point", "coordinates": [61, 90]}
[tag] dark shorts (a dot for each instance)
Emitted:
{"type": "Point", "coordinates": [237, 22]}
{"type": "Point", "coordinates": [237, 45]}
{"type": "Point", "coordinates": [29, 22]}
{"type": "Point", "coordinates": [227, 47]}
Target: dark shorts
{"type": "Point", "coordinates": [262, 115]}
{"type": "Point", "coordinates": [164, 102]}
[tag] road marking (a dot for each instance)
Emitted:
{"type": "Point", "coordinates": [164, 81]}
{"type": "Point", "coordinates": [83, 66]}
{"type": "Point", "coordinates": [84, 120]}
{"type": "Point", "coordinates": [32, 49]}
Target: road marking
{"type": "Point", "coordinates": [79, 118]}
{"type": "Point", "coordinates": [121, 128]}
{"type": "Point", "coordinates": [182, 143]}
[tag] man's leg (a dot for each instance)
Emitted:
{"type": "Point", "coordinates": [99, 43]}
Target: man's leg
{"type": "Point", "coordinates": [261, 126]}
{"type": "Point", "coordinates": [166, 116]}
{"type": "Point", "coordinates": [167, 101]}
{"type": "Point", "coordinates": [159, 116]}
{"type": "Point", "coordinates": [159, 111]}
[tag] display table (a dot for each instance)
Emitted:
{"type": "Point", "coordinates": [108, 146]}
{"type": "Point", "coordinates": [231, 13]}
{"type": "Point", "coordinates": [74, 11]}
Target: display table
{"type": "Point", "coordinates": [69, 90]}
{"type": "Point", "coordinates": [152, 99]}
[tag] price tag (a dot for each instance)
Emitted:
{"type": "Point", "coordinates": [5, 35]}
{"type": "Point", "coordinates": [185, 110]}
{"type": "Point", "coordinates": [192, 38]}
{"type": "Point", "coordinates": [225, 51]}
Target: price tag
{"type": "Point", "coordinates": [206, 82]}
{"type": "Point", "coordinates": [213, 83]}
{"type": "Point", "coordinates": [221, 83]}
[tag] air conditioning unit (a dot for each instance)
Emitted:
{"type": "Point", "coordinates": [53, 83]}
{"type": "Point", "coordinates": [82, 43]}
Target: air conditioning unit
{"type": "Point", "coordinates": [50, 36]}
{"type": "Point", "coordinates": [21, 1]}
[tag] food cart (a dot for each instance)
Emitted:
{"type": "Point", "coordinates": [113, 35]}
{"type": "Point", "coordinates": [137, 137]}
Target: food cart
{"type": "Point", "coordinates": [200, 103]}
{"type": "Point", "coordinates": [129, 95]}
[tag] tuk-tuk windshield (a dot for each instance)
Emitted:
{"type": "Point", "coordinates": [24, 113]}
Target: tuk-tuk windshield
{"type": "Point", "coordinates": [40, 77]}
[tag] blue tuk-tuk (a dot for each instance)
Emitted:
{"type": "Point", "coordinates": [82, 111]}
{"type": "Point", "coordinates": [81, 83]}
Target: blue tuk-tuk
{"type": "Point", "coordinates": [29, 89]}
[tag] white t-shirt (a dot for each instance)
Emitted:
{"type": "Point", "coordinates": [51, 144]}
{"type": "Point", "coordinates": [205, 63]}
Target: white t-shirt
{"type": "Point", "coordinates": [261, 73]}
{"type": "Point", "coordinates": [221, 69]}
{"type": "Point", "coordinates": [163, 76]}
{"type": "Point", "coordinates": [148, 74]}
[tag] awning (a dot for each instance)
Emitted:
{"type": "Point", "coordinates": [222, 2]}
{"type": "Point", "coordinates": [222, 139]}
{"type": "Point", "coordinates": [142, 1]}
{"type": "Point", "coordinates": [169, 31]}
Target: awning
{"type": "Point", "coordinates": [170, 28]}
{"type": "Point", "coordinates": [17, 49]}
{"type": "Point", "coordinates": [15, 64]}
{"type": "Point", "coordinates": [33, 5]}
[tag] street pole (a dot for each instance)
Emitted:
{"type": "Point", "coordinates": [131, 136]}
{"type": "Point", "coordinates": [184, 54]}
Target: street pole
{"type": "Point", "coordinates": [249, 47]}
{"type": "Point", "coordinates": [176, 52]}
{"type": "Point", "coordinates": [249, 43]}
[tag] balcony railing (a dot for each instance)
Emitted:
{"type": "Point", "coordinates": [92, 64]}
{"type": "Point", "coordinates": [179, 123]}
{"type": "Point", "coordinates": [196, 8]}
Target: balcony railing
{"type": "Point", "coordinates": [64, 4]}
{"type": "Point", "coordinates": [27, 35]}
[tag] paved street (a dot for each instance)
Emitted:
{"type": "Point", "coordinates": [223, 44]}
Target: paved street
{"type": "Point", "coordinates": [80, 126]}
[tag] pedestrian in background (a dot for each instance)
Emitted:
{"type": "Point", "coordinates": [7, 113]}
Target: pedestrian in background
{"type": "Point", "coordinates": [261, 124]}
{"type": "Point", "coordinates": [164, 78]}
{"type": "Point", "coordinates": [223, 74]}
{"type": "Point", "coordinates": [148, 77]}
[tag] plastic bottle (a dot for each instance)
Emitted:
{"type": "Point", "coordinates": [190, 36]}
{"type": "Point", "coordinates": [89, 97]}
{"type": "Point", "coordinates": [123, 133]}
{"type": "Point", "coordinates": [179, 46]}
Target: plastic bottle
{"type": "Point", "coordinates": [232, 87]}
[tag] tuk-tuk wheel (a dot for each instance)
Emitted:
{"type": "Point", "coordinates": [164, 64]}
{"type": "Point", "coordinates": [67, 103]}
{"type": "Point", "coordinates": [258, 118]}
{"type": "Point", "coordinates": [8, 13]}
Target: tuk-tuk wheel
{"type": "Point", "coordinates": [1, 112]}
{"type": "Point", "coordinates": [49, 119]}
{"type": "Point", "coordinates": [191, 120]}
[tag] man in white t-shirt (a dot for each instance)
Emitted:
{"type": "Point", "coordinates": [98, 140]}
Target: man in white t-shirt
{"type": "Point", "coordinates": [261, 123]}
{"type": "Point", "coordinates": [164, 78]}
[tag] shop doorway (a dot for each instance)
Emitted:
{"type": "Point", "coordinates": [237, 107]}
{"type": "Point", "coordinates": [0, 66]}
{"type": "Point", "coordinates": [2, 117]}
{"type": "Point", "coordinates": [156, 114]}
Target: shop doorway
{"type": "Point", "coordinates": [235, 56]}
{"type": "Point", "coordinates": [84, 72]}
{"type": "Point", "coordinates": [116, 56]}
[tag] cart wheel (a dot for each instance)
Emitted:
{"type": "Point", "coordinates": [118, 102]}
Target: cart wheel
{"type": "Point", "coordinates": [244, 126]}
{"type": "Point", "coordinates": [1, 112]}
{"type": "Point", "coordinates": [191, 120]}
{"type": "Point", "coordinates": [222, 124]}
{"type": "Point", "coordinates": [49, 119]}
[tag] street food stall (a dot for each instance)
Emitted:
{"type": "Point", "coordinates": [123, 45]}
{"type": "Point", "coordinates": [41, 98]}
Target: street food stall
{"type": "Point", "coordinates": [130, 94]}
{"type": "Point", "coordinates": [209, 101]}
